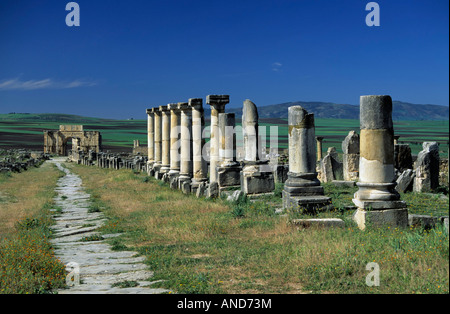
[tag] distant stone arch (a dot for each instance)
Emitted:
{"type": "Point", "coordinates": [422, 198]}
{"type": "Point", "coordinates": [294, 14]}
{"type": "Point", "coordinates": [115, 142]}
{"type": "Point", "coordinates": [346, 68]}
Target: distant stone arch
{"type": "Point", "coordinates": [55, 142]}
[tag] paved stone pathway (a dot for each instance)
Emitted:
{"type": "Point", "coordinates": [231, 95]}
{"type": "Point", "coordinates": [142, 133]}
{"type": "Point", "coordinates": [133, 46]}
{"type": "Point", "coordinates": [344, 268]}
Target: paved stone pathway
{"type": "Point", "coordinates": [98, 266]}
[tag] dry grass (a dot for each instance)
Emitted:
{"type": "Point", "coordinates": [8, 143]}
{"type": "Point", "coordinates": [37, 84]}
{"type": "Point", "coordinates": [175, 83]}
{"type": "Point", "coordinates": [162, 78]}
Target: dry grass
{"type": "Point", "coordinates": [199, 246]}
{"type": "Point", "coordinates": [24, 194]}
{"type": "Point", "coordinates": [27, 261]}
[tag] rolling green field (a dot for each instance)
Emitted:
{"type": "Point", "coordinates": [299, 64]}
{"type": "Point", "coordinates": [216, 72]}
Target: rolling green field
{"type": "Point", "coordinates": [26, 130]}
{"type": "Point", "coordinates": [334, 131]}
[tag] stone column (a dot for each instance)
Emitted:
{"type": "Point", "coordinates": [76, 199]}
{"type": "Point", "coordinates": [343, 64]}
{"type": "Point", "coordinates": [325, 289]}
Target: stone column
{"type": "Point", "coordinates": [158, 139]}
{"type": "Point", "coordinates": [377, 200]}
{"type": "Point", "coordinates": [228, 170]}
{"type": "Point", "coordinates": [165, 139]}
{"type": "Point", "coordinates": [217, 103]}
{"type": "Point", "coordinates": [350, 148]}
{"type": "Point", "coordinates": [186, 146]}
{"type": "Point", "coordinates": [319, 140]}
{"type": "Point", "coordinates": [302, 190]}
{"type": "Point", "coordinates": [200, 171]}
{"type": "Point", "coordinates": [256, 175]}
{"type": "Point", "coordinates": [151, 137]}
{"type": "Point", "coordinates": [175, 115]}
{"type": "Point", "coordinates": [227, 139]}
{"type": "Point", "coordinates": [427, 168]}
{"type": "Point", "coordinates": [250, 130]}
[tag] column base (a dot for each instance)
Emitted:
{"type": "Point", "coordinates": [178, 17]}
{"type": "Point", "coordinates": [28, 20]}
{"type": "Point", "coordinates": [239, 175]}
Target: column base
{"type": "Point", "coordinates": [229, 175]}
{"type": "Point", "coordinates": [164, 169]}
{"type": "Point", "coordinates": [306, 203]}
{"type": "Point", "coordinates": [377, 191]}
{"type": "Point", "coordinates": [183, 180]}
{"type": "Point", "coordinates": [397, 217]}
{"type": "Point", "coordinates": [253, 181]}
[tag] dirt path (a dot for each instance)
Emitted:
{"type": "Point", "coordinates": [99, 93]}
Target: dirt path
{"type": "Point", "coordinates": [94, 267]}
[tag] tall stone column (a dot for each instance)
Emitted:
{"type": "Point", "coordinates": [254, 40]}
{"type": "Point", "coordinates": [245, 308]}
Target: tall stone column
{"type": "Point", "coordinates": [228, 169]}
{"type": "Point", "coordinates": [217, 103]}
{"type": "Point", "coordinates": [186, 144]}
{"type": "Point", "coordinates": [150, 137]}
{"type": "Point", "coordinates": [175, 115]}
{"type": "Point", "coordinates": [157, 137]}
{"type": "Point", "coordinates": [376, 199]}
{"type": "Point", "coordinates": [319, 140]}
{"type": "Point", "coordinates": [256, 175]}
{"type": "Point", "coordinates": [165, 139]}
{"type": "Point", "coordinates": [302, 190]}
{"type": "Point", "coordinates": [200, 171]}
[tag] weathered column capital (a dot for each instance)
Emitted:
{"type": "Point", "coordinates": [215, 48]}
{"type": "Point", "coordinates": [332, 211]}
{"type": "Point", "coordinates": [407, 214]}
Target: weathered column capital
{"type": "Point", "coordinates": [183, 106]}
{"type": "Point", "coordinates": [164, 108]}
{"type": "Point", "coordinates": [172, 107]}
{"type": "Point", "coordinates": [196, 103]}
{"type": "Point", "coordinates": [218, 101]}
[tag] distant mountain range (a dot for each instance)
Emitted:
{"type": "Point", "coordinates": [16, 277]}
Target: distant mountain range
{"type": "Point", "coordinates": [401, 111]}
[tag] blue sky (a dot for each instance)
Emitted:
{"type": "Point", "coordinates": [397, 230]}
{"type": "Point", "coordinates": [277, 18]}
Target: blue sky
{"type": "Point", "coordinates": [127, 56]}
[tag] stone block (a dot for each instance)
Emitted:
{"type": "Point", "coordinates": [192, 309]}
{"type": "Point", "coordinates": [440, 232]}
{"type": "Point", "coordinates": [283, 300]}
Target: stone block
{"type": "Point", "coordinates": [405, 181]}
{"type": "Point", "coordinates": [344, 184]}
{"type": "Point", "coordinates": [234, 196]}
{"type": "Point", "coordinates": [308, 204]}
{"type": "Point", "coordinates": [377, 218]}
{"type": "Point", "coordinates": [424, 221]}
{"type": "Point", "coordinates": [319, 222]}
{"type": "Point", "coordinates": [213, 190]}
{"type": "Point", "coordinates": [186, 187]}
{"type": "Point", "coordinates": [373, 205]}
{"type": "Point", "coordinates": [201, 189]}
{"type": "Point", "coordinates": [229, 176]}
{"type": "Point", "coordinates": [403, 157]}
{"type": "Point", "coordinates": [257, 182]}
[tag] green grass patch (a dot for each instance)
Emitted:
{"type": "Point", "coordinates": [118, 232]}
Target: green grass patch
{"type": "Point", "coordinates": [214, 246]}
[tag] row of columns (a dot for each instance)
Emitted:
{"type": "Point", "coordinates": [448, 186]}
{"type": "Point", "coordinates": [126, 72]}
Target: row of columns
{"type": "Point", "coordinates": [175, 139]}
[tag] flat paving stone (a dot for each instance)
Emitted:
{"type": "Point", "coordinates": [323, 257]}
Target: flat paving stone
{"type": "Point", "coordinates": [98, 266]}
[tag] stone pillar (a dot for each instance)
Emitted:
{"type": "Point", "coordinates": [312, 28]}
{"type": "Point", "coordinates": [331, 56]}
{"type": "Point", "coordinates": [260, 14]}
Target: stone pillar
{"type": "Point", "coordinates": [396, 137]}
{"type": "Point", "coordinates": [200, 171]}
{"type": "Point", "coordinates": [228, 170]}
{"type": "Point", "coordinates": [250, 130]}
{"type": "Point", "coordinates": [150, 137]}
{"type": "Point", "coordinates": [165, 139]}
{"type": "Point", "coordinates": [302, 190]}
{"type": "Point", "coordinates": [427, 168]}
{"type": "Point", "coordinates": [331, 167]}
{"type": "Point", "coordinates": [350, 148]}
{"type": "Point", "coordinates": [175, 115]}
{"type": "Point", "coordinates": [217, 103]}
{"type": "Point", "coordinates": [158, 139]}
{"type": "Point", "coordinates": [256, 176]}
{"type": "Point", "coordinates": [186, 145]}
{"type": "Point", "coordinates": [377, 200]}
{"type": "Point", "coordinates": [319, 140]}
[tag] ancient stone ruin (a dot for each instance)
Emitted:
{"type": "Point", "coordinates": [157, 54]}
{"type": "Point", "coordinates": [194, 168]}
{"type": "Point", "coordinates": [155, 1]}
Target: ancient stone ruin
{"type": "Point", "coordinates": [377, 200]}
{"type": "Point", "coordinates": [302, 189]}
{"type": "Point", "coordinates": [56, 142]}
{"type": "Point", "coordinates": [179, 154]}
